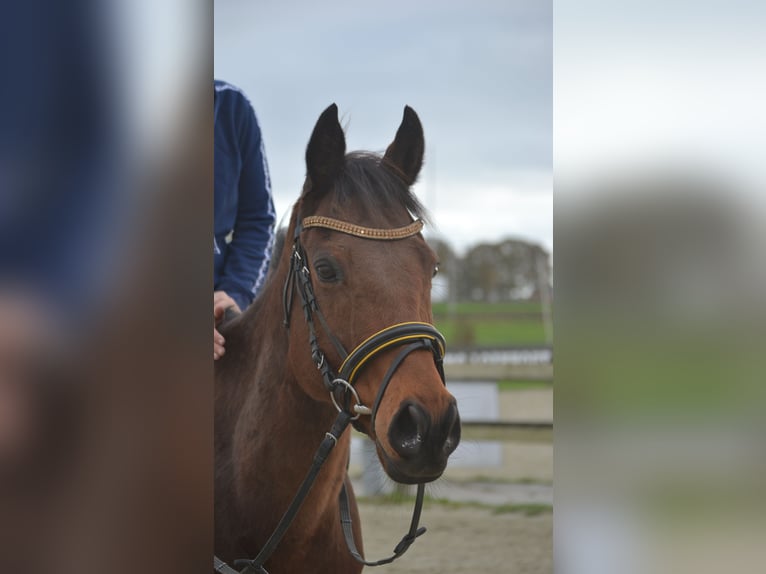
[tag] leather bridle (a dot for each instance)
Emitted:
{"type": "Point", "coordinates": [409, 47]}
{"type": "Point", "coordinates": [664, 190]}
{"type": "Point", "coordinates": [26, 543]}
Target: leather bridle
{"type": "Point", "coordinates": [410, 336]}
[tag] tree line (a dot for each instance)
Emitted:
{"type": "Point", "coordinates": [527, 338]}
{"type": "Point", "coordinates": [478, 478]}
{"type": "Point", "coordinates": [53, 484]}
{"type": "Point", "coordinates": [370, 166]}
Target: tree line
{"type": "Point", "coordinates": [508, 270]}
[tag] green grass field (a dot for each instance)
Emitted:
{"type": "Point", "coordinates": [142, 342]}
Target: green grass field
{"type": "Point", "coordinates": [490, 325]}
{"type": "Point", "coordinates": [491, 333]}
{"type": "Point", "coordinates": [523, 385]}
{"type": "Point", "coordinates": [472, 308]}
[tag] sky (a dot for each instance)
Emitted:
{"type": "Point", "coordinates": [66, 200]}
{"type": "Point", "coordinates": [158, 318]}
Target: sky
{"type": "Point", "coordinates": [479, 75]}
{"type": "Point", "coordinates": [685, 99]}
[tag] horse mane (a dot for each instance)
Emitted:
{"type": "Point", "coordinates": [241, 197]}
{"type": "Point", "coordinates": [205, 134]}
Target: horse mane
{"type": "Point", "coordinates": [374, 187]}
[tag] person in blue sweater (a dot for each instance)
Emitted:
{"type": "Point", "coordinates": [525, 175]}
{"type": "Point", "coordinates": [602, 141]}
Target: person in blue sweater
{"type": "Point", "coordinates": [243, 207]}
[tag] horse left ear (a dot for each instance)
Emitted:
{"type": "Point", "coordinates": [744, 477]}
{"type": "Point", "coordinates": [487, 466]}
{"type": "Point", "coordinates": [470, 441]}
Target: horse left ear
{"type": "Point", "coordinates": [326, 150]}
{"type": "Point", "coordinates": [406, 151]}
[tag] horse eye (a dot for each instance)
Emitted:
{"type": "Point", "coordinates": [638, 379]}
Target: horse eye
{"type": "Point", "coordinates": [326, 271]}
{"type": "Point", "coordinates": [436, 270]}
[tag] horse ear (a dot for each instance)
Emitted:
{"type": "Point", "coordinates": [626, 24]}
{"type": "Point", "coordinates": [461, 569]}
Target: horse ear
{"type": "Point", "coordinates": [406, 151]}
{"type": "Point", "coordinates": [326, 149]}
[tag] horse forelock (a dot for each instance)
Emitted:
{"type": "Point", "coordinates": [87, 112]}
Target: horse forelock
{"type": "Point", "coordinates": [368, 190]}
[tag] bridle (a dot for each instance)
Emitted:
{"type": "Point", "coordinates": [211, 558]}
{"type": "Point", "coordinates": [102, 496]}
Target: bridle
{"type": "Point", "coordinates": [410, 336]}
{"type": "Point", "coordinates": [341, 382]}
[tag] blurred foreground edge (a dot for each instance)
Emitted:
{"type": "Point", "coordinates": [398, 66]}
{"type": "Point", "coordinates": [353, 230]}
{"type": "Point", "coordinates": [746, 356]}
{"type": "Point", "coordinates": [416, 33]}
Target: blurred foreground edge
{"type": "Point", "coordinates": [105, 258]}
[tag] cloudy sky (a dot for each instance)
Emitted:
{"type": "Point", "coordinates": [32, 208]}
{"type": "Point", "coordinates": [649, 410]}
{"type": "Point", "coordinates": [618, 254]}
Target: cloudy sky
{"type": "Point", "coordinates": [477, 73]}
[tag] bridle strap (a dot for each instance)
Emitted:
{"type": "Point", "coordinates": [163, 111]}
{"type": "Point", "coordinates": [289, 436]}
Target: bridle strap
{"type": "Point", "coordinates": [420, 344]}
{"type": "Point", "coordinates": [343, 502]}
{"type": "Point", "coordinates": [400, 548]}
{"type": "Point", "coordinates": [331, 439]}
{"type": "Point", "coordinates": [310, 306]}
{"type": "Point", "coordinates": [394, 335]}
{"type": "Point", "coordinates": [366, 232]}
{"type": "Point", "coordinates": [299, 278]}
{"type": "Point", "coordinates": [221, 567]}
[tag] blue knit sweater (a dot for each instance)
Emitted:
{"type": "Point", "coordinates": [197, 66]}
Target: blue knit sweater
{"type": "Point", "coordinates": [244, 211]}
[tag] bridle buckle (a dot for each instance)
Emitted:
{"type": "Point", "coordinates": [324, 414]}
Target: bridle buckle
{"type": "Point", "coordinates": [358, 408]}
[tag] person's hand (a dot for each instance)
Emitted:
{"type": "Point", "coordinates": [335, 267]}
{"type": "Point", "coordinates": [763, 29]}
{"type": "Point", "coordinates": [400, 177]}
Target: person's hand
{"type": "Point", "coordinates": [29, 337]}
{"type": "Point", "coordinates": [221, 302]}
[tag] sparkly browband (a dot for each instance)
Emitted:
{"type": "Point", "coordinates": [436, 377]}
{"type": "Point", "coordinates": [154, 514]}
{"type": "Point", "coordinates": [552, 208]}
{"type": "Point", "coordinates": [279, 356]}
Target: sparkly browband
{"type": "Point", "coordinates": [359, 231]}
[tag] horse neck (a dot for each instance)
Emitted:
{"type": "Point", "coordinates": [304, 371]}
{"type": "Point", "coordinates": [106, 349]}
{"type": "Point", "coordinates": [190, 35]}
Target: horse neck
{"type": "Point", "coordinates": [279, 427]}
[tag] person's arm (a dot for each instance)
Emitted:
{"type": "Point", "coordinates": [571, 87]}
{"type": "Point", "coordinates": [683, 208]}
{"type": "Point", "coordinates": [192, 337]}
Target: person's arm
{"type": "Point", "coordinates": [249, 253]}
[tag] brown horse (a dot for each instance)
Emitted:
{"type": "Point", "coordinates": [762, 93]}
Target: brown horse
{"type": "Point", "coordinates": [272, 409]}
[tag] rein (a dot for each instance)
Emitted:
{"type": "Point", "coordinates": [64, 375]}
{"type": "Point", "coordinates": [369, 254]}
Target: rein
{"type": "Point", "coordinates": [412, 336]}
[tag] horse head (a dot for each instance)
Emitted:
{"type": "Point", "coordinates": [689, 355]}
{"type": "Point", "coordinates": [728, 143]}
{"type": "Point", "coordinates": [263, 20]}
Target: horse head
{"type": "Point", "coordinates": [356, 235]}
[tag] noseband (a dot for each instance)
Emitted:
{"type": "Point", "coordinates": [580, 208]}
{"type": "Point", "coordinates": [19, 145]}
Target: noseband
{"type": "Point", "coordinates": [412, 336]}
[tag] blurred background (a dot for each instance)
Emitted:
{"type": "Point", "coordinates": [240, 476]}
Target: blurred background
{"type": "Point", "coordinates": [479, 75]}
{"type": "Point", "coordinates": [659, 140]}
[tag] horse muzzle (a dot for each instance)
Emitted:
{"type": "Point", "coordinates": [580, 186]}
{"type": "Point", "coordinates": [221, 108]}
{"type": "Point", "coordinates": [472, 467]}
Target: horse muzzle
{"type": "Point", "coordinates": [420, 436]}
{"type": "Point", "coordinates": [421, 443]}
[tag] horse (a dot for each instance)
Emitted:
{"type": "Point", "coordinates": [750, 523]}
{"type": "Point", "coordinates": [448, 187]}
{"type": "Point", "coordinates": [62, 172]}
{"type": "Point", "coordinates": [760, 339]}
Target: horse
{"type": "Point", "coordinates": [356, 239]}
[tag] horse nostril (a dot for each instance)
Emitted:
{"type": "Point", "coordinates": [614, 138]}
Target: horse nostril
{"type": "Point", "coordinates": [408, 430]}
{"type": "Point", "coordinates": [453, 434]}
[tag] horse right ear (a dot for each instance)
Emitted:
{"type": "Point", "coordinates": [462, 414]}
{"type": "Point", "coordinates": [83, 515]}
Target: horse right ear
{"type": "Point", "coordinates": [405, 154]}
{"type": "Point", "coordinates": [326, 150]}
